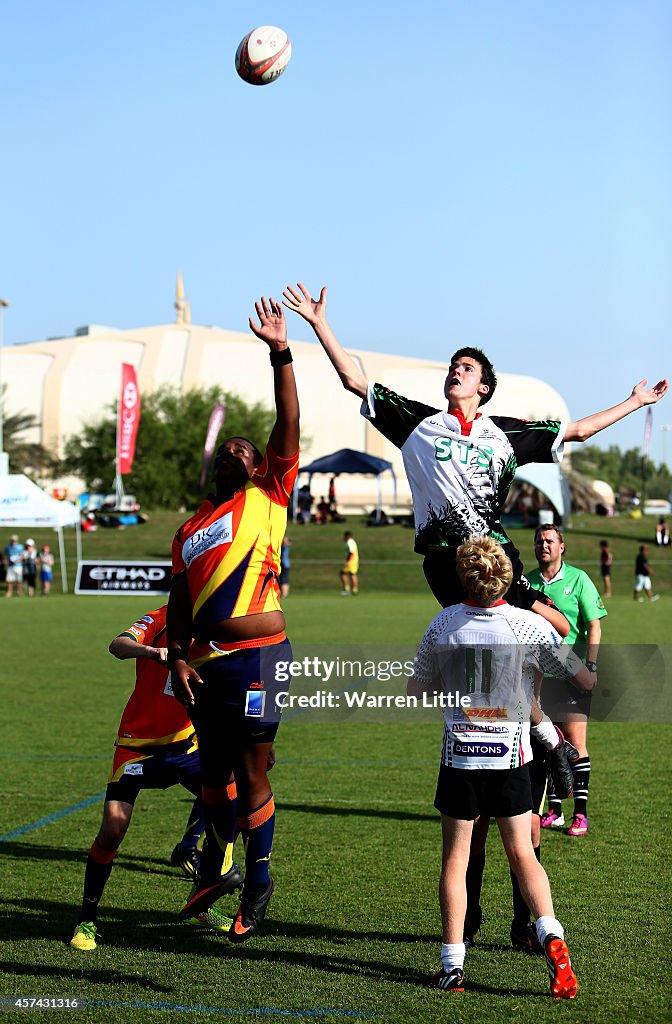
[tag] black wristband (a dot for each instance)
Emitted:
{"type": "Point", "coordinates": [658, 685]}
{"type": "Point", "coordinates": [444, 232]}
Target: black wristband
{"type": "Point", "coordinates": [177, 654]}
{"type": "Point", "coordinates": [280, 357]}
{"type": "Point", "coordinates": [591, 666]}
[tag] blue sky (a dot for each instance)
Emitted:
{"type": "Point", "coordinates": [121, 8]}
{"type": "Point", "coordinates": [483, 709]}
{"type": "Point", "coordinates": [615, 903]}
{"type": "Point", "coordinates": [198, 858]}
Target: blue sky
{"type": "Point", "coordinates": [490, 173]}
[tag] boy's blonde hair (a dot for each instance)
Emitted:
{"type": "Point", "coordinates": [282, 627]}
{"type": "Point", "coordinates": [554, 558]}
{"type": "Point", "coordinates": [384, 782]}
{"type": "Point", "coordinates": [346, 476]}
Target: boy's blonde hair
{"type": "Point", "coordinates": [484, 570]}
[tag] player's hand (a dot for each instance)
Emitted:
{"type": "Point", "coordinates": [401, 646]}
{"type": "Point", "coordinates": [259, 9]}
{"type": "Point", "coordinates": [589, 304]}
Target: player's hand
{"type": "Point", "coordinates": [185, 680]}
{"type": "Point", "coordinates": [310, 309]}
{"type": "Point", "coordinates": [157, 653]}
{"type": "Point", "coordinates": [649, 396]}
{"type": "Point", "coordinates": [272, 327]}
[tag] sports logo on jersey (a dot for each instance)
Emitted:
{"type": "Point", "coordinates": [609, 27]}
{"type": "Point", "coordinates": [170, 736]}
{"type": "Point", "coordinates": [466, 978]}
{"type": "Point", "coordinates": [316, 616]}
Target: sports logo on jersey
{"type": "Point", "coordinates": [486, 712]}
{"type": "Point", "coordinates": [217, 533]}
{"type": "Point", "coordinates": [474, 749]}
{"type": "Point", "coordinates": [255, 701]}
{"type": "Point", "coordinates": [497, 730]}
{"type": "Point", "coordinates": [133, 769]}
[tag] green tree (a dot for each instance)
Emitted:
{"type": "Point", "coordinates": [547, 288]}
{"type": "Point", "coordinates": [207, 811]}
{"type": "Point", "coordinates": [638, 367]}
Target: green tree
{"type": "Point", "coordinates": [27, 457]}
{"type": "Point", "coordinates": [623, 469]}
{"type": "Point", "coordinates": [169, 447]}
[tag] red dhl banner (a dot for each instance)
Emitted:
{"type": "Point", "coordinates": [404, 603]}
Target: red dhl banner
{"type": "Point", "coordinates": [128, 418]}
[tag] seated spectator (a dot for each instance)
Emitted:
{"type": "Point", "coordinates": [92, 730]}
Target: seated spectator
{"type": "Point", "coordinates": [305, 503]}
{"type": "Point", "coordinates": [323, 511]}
{"type": "Point", "coordinates": [662, 533]}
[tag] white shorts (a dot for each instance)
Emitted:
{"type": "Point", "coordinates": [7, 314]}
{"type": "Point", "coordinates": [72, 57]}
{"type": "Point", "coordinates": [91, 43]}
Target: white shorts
{"type": "Point", "coordinates": [642, 582]}
{"type": "Point", "coordinates": [14, 573]}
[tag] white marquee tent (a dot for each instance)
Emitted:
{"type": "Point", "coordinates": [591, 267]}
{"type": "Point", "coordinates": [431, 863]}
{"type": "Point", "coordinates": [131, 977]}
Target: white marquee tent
{"type": "Point", "coordinates": [24, 504]}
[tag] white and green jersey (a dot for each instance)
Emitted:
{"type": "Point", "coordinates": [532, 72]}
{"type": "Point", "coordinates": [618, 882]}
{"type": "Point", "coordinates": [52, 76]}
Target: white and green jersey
{"type": "Point", "coordinates": [489, 655]}
{"type": "Point", "coordinates": [573, 592]}
{"type": "Point", "coordinates": [459, 482]}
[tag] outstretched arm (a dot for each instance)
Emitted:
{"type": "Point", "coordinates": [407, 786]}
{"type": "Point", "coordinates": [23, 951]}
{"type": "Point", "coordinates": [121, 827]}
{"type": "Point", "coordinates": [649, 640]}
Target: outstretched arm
{"type": "Point", "coordinates": [123, 647]}
{"type": "Point", "coordinates": [315, 313]}
{"type": "Point", "coordinates": [582, 429]}
{"type": "Point", "coordinates": [273, 330]}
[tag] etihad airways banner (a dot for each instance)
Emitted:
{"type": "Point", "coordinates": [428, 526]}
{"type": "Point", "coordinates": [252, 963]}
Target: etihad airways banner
{"type": "Point", "coordinates": [150, 578]}
{"type": "Point", "coordinates": [128, 418]}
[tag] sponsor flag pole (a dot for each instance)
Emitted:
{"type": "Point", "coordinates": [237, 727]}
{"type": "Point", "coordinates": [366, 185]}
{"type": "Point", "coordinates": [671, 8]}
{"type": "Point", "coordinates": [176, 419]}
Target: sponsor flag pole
{"type": "Point", "coordinates": [215, 424]}
{"type": "Point", "coordinates": [648, 425]}
{"type": "Point", "coordinates": [128, 420]}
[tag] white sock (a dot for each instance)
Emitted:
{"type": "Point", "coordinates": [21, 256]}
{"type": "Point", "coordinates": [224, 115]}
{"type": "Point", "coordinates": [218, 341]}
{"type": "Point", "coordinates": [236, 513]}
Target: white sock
{"type": "Point", "coordinates": [452, 955]}
{"type": "Point", "coordinates": [549, 926]}
{"type": "Point", "coordinates": [546, 733]}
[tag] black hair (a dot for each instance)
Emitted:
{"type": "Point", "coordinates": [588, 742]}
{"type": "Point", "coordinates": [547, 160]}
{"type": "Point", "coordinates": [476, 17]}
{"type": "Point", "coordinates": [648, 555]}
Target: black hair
{"type": "Point", "coordinates": [488, 375]}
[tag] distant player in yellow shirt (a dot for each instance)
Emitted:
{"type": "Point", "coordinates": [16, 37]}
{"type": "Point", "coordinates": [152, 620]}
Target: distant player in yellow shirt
{"type": "Point", "coordinates": [349, 580]}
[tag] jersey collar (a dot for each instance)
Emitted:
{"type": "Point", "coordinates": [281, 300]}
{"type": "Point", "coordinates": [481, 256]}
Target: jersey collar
{"type": "Point", "coordinates": [465, 428]}
{"type": "Point", "coordinates": [560, 575]}
{"type": "Point", "coordinates": [475, 604]}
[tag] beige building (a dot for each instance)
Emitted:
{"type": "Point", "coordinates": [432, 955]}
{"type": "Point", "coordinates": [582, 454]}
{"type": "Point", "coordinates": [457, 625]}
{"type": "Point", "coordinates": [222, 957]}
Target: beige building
{"type": "Point", "coordinates": [64, 382]}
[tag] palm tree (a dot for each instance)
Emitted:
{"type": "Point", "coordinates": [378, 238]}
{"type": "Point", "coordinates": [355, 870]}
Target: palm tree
{"type": "Point", "coordinates": [28, 457]}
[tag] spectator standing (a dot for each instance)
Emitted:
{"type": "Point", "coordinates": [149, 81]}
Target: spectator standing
{"type": "Point", "coordinates": [30, 566]}
{"type": "Point", "coordinates": [350, 570]}
{"type": "Point", "coordinates": [606, 559]}
{"type": "Point", "coordinates": [643, 576]}
{"type": "Point", "coordinates": [45, 564]}
{"type": "Point", "coordinates": [662, 533]}
{"type": "Point", "coordinates": [285, 566]}
{"type": "Point", "coordinates": [14, 555]}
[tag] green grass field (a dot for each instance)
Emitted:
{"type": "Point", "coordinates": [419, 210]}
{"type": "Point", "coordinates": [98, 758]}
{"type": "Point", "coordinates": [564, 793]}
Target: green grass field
{"type": "Point", "coordinates": [353, 929]}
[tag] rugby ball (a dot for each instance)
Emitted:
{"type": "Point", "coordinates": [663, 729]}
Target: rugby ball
{"type": "Point", "coordinates": [263, 55]}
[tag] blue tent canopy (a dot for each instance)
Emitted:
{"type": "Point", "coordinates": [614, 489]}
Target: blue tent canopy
{"type": "Point", "coordinates": [347, 460]}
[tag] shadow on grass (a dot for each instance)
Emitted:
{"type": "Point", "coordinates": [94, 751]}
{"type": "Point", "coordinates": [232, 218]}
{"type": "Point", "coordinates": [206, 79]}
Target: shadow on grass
{"type": "Point", "coordinates": [124, 861]}
{"type": "Point", "coordinates": [359, 812]}
{"type": "Point", "coordinates": [160, 931]}
{"type": "Point", "coordinates": [78, 971]}
{"type": "Point", "coordinates": [124, 932]}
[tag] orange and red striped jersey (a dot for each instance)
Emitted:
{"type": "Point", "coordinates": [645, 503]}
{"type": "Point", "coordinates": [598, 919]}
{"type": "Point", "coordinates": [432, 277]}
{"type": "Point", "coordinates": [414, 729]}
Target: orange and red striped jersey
{"type": "Point", "coordinates": [153, 716]}
{"type": "Point", "coordinates": [231, 551]}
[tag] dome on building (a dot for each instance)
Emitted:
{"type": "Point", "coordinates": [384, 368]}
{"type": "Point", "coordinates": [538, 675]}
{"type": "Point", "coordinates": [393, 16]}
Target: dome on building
{"type": "Point", "coordinates": [65, 382]}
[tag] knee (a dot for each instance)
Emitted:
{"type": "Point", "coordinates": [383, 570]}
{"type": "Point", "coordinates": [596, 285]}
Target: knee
{"type": "Point", "coordinates": [113, 829]}
{"type": "Point", "coordinates": [521, 859]}
{"type": "Point", "coordinates": [253, 789]}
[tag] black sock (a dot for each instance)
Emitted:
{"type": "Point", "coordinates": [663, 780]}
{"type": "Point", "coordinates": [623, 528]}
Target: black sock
{"type": "Point", "coordinates": [98, 870]}
{"type": "Point", "coordinates": [581, 773]}
{"type": "Point", "coordinates": [195, 826]}
{"type": "Point", "coordinates": [474, 914]}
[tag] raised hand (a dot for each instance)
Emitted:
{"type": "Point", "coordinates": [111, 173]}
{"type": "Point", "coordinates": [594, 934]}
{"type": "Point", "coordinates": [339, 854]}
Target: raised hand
{"type": "Point", "coordinates": [272, 327]}
{"type": "Point", "coordinates": [651, 395]}
{"type": "Point", "coordinates": [310, 309]}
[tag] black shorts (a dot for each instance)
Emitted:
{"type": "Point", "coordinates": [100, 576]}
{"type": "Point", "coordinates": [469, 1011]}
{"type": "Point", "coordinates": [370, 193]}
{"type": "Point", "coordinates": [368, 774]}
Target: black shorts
{"type": "Point", "coordinates": [154, 768]}
{"type": "Point", "coordinates": [440, 571]}
{"type": "Point", "coordinates": [236, 707]}
{"type": "Point", "coordinates": [606, 570]}
{"type": "Point", "coordinates": [560, 698]}
{"type": "Point", "coordinates": [496, 793]}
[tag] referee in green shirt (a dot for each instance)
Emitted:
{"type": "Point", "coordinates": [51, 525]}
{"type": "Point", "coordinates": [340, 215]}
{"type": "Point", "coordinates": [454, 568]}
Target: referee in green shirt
{"type": "Point", "coordinates": [576, 596]}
